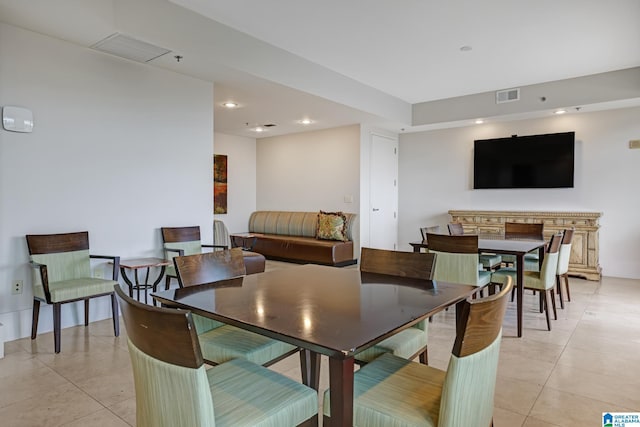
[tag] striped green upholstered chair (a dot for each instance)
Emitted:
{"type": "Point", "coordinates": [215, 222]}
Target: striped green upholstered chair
{"type": "Point", "coordinates": [543, 280]}
{"type": "Point", "coordinates": [457, 260]}
{"type": "Point", "coordinates": [221, 342]}
{"type": "Point", "coordinates": [518, 230]}
{"type": "Point", "coordinates": [182, 241]}
{"type": "Point", "coordinates": [62, 273]}
{"type": "Point", "coordinates": [412, 342]}
{"type": "Point", "coordinates": [564, 255]}
{"type": "Point", "coordinates": [488, 261]}
{"type": "Point", "coordinates": [391, 391]}
{"type": "Point", "coordinates": [173, 388]}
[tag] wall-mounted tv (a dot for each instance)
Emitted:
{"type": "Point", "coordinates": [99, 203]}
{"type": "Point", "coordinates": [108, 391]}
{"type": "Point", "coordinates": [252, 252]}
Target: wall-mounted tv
{"type": "Point", "coordinates": [533, 161]}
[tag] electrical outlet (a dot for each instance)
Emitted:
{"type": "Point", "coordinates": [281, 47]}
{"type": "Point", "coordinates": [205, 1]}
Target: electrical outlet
{"type": "Point", "coordinates": [16, 287]}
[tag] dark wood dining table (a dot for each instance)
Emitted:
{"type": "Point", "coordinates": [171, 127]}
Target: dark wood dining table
{"type": "Point", "coordinates": [330, 311]}
{"type": "Point", "coordinates": [498, 244]}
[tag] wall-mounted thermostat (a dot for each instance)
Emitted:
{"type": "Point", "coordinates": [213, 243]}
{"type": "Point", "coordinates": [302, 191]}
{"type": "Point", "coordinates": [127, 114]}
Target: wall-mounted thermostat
{"type": "Point", "coordinates": [17, 119]}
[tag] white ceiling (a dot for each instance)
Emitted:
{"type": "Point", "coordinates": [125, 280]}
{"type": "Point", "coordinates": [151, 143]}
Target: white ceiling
{"type": "Point", "coordinates": [358, 61]}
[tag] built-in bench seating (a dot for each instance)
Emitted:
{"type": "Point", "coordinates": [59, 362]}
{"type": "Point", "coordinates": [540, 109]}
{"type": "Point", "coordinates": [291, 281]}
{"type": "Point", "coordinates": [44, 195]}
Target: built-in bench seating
{"type": "Point", "coordinates": [291, 236]}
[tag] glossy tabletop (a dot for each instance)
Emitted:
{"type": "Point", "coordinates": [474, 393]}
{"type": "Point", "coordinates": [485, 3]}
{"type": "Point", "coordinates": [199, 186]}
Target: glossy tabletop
{"type": "Point", "coordinates": [325, 310]}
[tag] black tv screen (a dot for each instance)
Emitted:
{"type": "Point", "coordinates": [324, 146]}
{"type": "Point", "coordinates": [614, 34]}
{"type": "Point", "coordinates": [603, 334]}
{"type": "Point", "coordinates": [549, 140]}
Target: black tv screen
{"type": "Point", "coordinates": [534, 161]}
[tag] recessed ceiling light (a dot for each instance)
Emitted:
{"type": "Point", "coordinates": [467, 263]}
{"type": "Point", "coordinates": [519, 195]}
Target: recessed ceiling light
{"type": "Point", "coordinates": [479, 121]}
{"type": "Point", "coordinates": [230, 104]}
{"type": "Point", "coordinates": [259, 129]}
{"type": "Point", "coordinates": [466, 48]}
{"type": "Point", "coordinates": [559, 112]}
{"type": "Point", "coordinates": [305, 121]}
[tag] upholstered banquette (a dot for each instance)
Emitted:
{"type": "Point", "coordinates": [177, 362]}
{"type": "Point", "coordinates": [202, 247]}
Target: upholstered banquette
{"type": "Point", "coordinates": [292, 236]}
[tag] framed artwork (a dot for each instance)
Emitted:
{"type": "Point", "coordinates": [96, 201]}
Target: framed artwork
{"type": "Point", "coordinates": [219, 184]}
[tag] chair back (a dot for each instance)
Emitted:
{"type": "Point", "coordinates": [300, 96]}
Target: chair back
{"type": "Point", "coordinates": [455, 229]}
{"type": "Point", "coordinates": [435, 229]}
{"type": "Point", "coordinates": [414, 265]}
{"type": "Point", "coordinates": [523, 231]}
{"type": "Point", "coordinates": [469, 386]}
{"type": "Point", "coordinates": [564, 253]}
{"type": "Point", "coordinates": [457, 258]}
{"type": "Point", "coordinates": [220, 234]}
{"type": "Point", "coordinates": [65, 255]}
{"type": "Point", "coordinates": [550, 263]}
{"type": "Point", "coordinates": [185, 238]}
{"type": "Point", "coordinates": [209, 267]}
{"type": "Point", "coordinates": [169, 374]}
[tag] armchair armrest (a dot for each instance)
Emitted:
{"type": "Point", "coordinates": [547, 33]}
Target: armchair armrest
{"type": "Point", "coordinates": [44, 278]}
{"type": "Point", "coordinates": [116, 264]}
{"type": "Point", "coordinates": [215, 246]}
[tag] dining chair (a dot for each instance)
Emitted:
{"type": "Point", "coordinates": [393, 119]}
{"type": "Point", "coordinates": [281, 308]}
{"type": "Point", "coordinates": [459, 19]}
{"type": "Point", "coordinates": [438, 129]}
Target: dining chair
{"type": "Point", "coordinates": [62, 274]}
{"type": "Point", "coordinates": [458, 260]}
{"type": "Point", "coordinates": [520, 230]}
{"type": "Point", "coordinates": [431, 229]}
{"type": "Point", "coordinates": [411, 342]}
{"type": "Point", "coordinates": [221, 342]}
{"type": "Point", "coordinates": [488, 261]}
{"type": "Point", "coordinates": [180, 241]}
{"type": "Point", "coordinates": [392, 391]}
{"type": "Point", "coordinates": [564, 255]}
{"type": "Point", "coordinates": [173, 388]}
{"type": "Point", "coordinates": [543, 280]}
{"type": "Point", "coordinates": [253, 261]}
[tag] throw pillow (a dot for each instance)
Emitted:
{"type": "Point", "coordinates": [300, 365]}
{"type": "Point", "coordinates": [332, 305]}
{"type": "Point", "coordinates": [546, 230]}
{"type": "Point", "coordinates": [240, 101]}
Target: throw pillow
{"type": "Point", "coordinates": [332, 226]}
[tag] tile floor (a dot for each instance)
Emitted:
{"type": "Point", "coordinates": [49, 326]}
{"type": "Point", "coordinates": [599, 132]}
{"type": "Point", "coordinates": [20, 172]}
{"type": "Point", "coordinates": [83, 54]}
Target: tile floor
{"type": "Point", "coordinates": [589, 363]}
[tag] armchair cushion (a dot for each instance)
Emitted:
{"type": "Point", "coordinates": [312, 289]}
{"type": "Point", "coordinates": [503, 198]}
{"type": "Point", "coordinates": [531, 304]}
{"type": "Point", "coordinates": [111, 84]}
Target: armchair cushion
{"type": "Point", "coordinates": [66, 290]}
{"type": "Point", "coordinates": [403, 344]}
{"type": "Point", "coordinates": [65, 265]}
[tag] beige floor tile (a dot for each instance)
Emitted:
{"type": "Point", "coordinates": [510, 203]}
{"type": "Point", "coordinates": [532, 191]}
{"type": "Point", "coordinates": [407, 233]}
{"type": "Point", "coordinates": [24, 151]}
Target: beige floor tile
{"type": "Point", "coordinates": [28, 383]}
{"type": "Point", "coordinates": [611, 363]}
{"type": "Point", "coordinates": [126, 410]}
{"type": "Point", "coordinates": [503, 417]}
{"type": "Point", "coordinates": [102, 418]}
{"type": "Point", "coordinates": [534, 422]}
{"type": "Point", "coordinates": [524, 369]}
{"type": "Point", "coordinates": [570, 410]}
{"type": "Point", "coordinates": [515, 395]}
{"type": "Point", "coordinates": [618, 390]}
{"type": "Point", "coordinates": [54, 407]}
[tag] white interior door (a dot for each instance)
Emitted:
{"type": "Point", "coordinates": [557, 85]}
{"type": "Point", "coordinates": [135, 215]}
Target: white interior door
{"type": "Point", "coordinates": [383, 179]}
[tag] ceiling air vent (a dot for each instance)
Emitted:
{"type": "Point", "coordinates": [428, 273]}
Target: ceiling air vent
{"type": "Point", "coordinates": [269, 125]}
{"type": "Point", "coordinates": [129, 48]}
{"type": "Point", "coordinates": [507, 95]}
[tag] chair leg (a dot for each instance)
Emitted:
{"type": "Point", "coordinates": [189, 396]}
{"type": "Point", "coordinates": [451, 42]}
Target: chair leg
{"type": "Point", "coordinates": [114, 314]}
{"type": "Point", "coordinates": [86, 312]}
{"type": "Point", "coordinates": [553, 303]}
{"type": "Point", "coordinates": [56, 326]}
{"type": "Point", "coordinates": [541, 300]}
{"type": "Point", "coordinates": [566, 284]}
{"type": "Point", "coordinates": [424, 357]}
{"type": "Point", "coordinates": [545, 295]}
{"type": "Point", "coordinates": [36, 316]}
{"type": "Point", "coordinates": [560, 293]}
{"type": "Point", "coordinates": [167, 283]}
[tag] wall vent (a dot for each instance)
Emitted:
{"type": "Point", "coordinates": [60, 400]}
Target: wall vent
{"type": "Point", "coordinates": [507, 95]}
{"type": "Point", "coordinates": [129, 48]}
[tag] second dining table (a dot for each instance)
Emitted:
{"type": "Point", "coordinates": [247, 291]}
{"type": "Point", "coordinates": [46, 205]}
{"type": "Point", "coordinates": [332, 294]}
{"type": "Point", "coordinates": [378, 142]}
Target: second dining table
{"type": "Point", "coordinates": [498, 244]}
{"type": "Point", "coordinates": [330, 311]}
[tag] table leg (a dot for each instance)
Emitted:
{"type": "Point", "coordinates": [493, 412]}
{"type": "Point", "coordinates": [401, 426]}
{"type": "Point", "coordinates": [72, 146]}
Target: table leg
{"type": "Point", "coordinates": [157, 281]}
{"type": "Point", "coordinates": [123, 273]}
{"type": "Point", "coordinates": [135, 274]}
{"type": "Point", "coordinates": [520, 289]}
{"type": "Point", "coordinates": [341, 385]}
{"type": "Point", "coordinates": [310, 365]}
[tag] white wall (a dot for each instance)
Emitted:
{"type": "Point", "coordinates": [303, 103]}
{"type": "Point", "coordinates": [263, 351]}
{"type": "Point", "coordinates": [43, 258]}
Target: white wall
{"type": "Point", "coordinates": [119, 149]}
{"type": "Point", "coordinates": [241, 180]}
{"type": "Point", "coordinates": [436, 173]}
{"type": "Point", "coordinates": [309, 171]}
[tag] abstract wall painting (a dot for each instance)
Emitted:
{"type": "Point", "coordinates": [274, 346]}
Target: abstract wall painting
{"type": "Point", "coordinates": [219, 184]}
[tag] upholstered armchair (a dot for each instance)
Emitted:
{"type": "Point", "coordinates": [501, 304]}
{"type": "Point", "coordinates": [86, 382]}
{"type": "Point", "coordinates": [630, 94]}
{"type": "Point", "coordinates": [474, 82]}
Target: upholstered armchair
{"type": "Point", "coordinates": [62, 274]}
{"type": "Point", "coordinates": [458, 259]}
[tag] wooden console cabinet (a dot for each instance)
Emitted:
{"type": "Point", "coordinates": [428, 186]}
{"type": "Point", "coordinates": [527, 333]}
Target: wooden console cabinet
{"type": "Point", "coordinates": [584, 260]}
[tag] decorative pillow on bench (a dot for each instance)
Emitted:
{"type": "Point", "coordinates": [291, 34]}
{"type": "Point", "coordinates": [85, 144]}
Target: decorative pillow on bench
{"type": "Point", "coordinates": [332, 226]}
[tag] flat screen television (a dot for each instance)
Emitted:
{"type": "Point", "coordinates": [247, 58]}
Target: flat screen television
{"type": "Point", "coordinates": [533, 161]}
